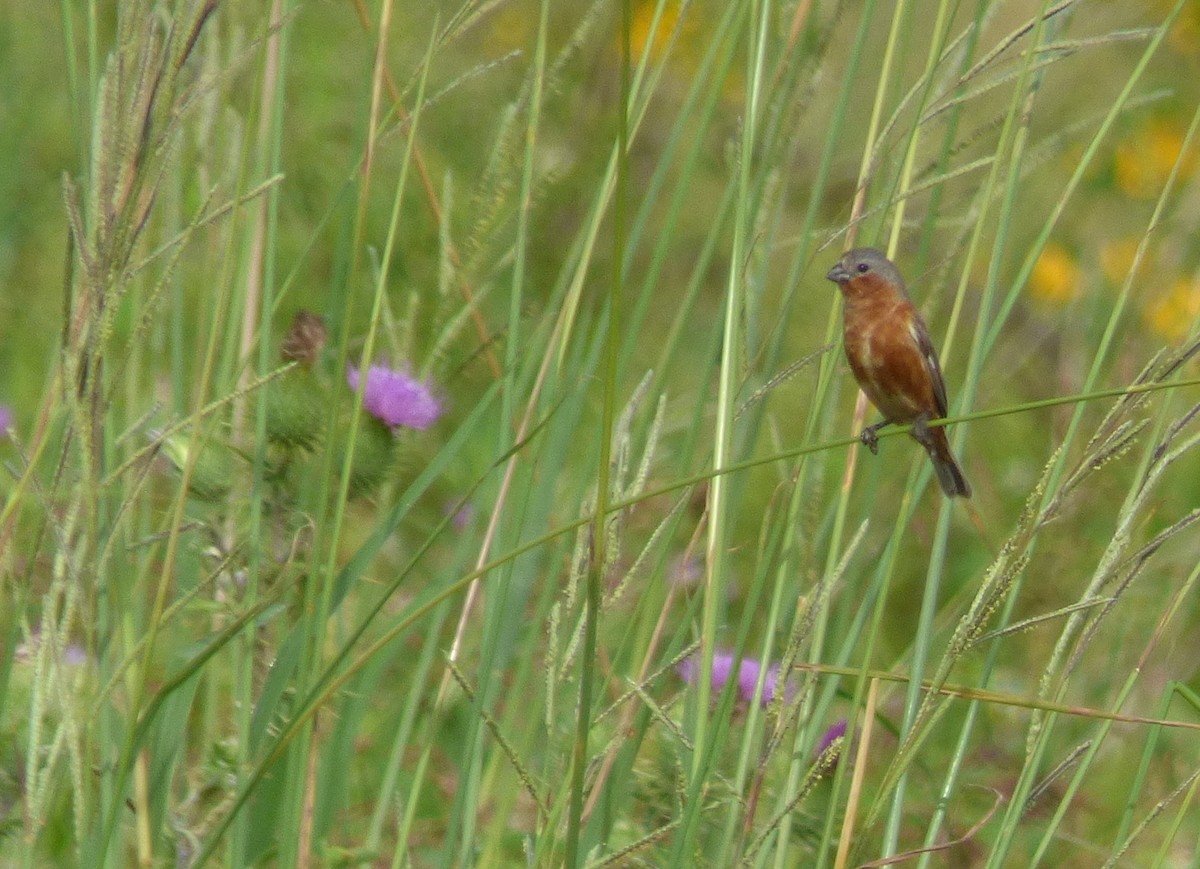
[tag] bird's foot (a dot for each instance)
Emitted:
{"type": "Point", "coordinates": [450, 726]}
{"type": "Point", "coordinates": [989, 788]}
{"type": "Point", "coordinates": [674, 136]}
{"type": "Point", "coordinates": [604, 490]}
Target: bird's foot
{"type": "Point", "coordinates": [870, 437]}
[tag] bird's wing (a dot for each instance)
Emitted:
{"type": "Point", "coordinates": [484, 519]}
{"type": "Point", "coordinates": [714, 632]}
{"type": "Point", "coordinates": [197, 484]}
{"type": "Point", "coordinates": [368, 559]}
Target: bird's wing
{"type": "Point", "coordinates": [931, 363]}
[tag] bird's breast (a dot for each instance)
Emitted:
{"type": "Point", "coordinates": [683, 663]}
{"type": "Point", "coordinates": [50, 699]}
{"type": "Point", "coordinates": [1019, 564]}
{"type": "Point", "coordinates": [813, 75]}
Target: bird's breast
{"type": "Point", "coordinates": [884, 354]}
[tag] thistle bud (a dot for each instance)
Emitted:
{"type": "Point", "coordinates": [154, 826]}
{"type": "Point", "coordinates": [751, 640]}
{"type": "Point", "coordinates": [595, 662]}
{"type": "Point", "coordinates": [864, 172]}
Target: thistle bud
{"type": "Point", "coordinates": [305, 339]}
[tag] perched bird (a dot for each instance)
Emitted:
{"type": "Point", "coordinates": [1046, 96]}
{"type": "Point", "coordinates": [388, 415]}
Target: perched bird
{"type": "Point", "coordinates": [892, 358]}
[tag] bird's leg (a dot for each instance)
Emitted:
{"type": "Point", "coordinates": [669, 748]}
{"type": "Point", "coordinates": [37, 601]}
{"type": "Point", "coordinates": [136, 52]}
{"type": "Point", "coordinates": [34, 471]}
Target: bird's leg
{"type": "Point", "coordinates": [869, 437]}
{"type": "Point", "coordinates": [921, 433]}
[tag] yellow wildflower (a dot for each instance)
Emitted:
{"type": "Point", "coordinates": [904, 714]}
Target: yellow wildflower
{"type": "Point", "coordinates": [1173, 315]}
{"type": "Point", "coordinates": [1144, 161]}
{"type": "Point", "coordinates": [659, 38]}
{"type": "Point", "coordinates": [1184, 35]}
{"type": "Point", "coordinates": [1055, 277]}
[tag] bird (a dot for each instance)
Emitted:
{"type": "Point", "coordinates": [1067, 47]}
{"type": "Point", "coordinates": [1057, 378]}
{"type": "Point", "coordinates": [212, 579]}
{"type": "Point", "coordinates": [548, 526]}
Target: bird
{"type": "Point", "coordinates": [893, 359]}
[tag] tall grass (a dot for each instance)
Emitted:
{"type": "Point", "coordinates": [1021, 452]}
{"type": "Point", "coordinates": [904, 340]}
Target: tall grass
{"type": "Point", "coordinates": [245, 624]}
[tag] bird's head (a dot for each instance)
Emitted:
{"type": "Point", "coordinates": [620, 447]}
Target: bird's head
{"type": "Point", "coordinates": [865, 264]}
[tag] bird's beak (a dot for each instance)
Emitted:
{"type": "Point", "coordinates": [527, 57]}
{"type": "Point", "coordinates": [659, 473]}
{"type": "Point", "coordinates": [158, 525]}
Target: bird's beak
{"type": "Point", "coordinates": [838, 274]}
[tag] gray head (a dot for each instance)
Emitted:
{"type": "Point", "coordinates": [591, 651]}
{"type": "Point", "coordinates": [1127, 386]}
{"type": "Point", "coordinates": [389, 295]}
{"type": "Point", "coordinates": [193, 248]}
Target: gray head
{"type": "Point", "coordinates": [864, 262]}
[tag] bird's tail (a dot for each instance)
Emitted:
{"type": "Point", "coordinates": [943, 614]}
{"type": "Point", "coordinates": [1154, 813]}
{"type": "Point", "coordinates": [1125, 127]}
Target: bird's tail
{"type": "Point", "coordinates": [949, 474]}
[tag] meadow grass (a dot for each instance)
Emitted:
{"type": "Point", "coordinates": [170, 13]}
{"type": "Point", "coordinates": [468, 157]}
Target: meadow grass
{"type": "Point", "coordinates": [612, 583]}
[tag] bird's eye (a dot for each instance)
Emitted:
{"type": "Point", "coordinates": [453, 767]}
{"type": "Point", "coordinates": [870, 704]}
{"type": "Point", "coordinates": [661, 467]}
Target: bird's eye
{"type": "Point", "coordinates": [863, 268]}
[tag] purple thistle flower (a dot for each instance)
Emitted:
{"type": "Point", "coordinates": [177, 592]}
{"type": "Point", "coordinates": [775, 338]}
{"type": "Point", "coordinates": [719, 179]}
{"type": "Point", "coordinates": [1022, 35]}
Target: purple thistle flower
{"type": "Point", "coordinates": [396, 398]}
{"type": "Point", "coordinates": [789, 690]}
{"type": "Point", "coordinates": [834, 732]}
{"type": "Point", "coordinates": [722, 667]}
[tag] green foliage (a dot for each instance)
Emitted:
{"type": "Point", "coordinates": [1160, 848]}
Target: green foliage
{"type": "Point", "coordinates": [245, 622]}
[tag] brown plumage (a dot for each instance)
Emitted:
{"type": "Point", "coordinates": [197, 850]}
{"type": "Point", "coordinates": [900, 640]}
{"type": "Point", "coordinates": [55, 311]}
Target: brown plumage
{"type": "Point", "coordinates": [893, 360]}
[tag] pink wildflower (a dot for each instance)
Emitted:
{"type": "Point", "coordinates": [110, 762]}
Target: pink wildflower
{"type": "Point", "coordinates": [747, 676]}
{"type": "Point", "coordinates": [395, 398]}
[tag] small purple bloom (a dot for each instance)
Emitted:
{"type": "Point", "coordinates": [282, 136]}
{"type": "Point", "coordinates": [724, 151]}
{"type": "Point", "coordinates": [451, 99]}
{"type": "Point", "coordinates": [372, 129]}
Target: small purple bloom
{"type": "Point", "coordinates": [789, 690]}
{"type": "Point", "coordinates": [687, 669]}
{"type": "Point", "coordinates": [7, 418]}
{"type": "Point", "coordinates": [684, 571]}
{"type": "Point", "coordinates": [463, 516]}
{"type": "Point", "coordinates": [74, 654]}
{"type": "Point", "coordinates": [836, 731]}
{"type": "Point", "coordinates": [395, 398]}
{"type": "Point", "coordinates": [722, 667]}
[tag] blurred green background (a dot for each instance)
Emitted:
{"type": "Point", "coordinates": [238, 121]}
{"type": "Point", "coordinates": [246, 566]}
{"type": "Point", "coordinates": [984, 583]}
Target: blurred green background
{"type": "Point", "coordinates": [460, 247]}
